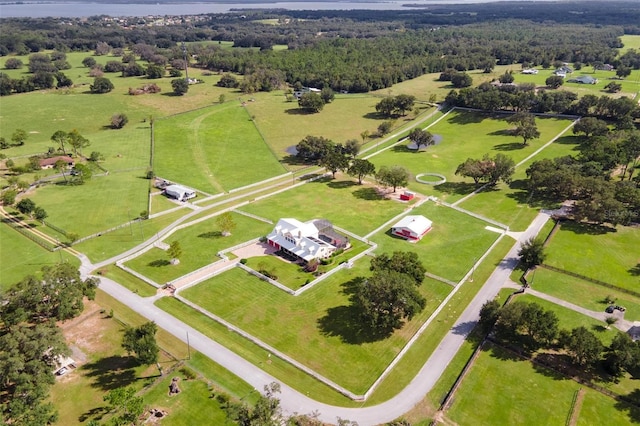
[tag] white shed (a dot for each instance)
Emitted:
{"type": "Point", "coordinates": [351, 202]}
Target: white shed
{"type": "Point", "coordinates": [412, 227]}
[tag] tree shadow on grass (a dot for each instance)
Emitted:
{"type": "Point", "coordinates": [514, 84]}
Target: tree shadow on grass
{"type": "Point", "coordinates": [96, 413]}
{"type": "Point", "coordinates": [403, 149]}
{"type": "Point", "coordinates": [159, 263]}
{"type": "Point", "coordinates": [468, 118]}
{"type": "Point", "coordinates": [212, 234]}
{"type": "Point", "coordinates": [557, 360]}
{"type": "Point", "coordinates": [632, 411]}
{"type": "Point", "coordinates": [502, 132]}
{"type": "Point", "coordinates": [298, 111]}
{"type": "Point", "coordinates": [369, 194]}
{"type": "Point", "coordinates": [586, 228]}
{"type": "Point", "coordinates": [512, 146]}
{"type": "Point", "coordinates": [375, 116]}
{"type": "Point", "coordinates": [112, 372]}
{"type": "Point", "coordinates": [345, 322]}
{"type": "Point", "coordinates": [341, 184]}
{"type": "Point", "coordinates": [635, 271]}
{"type": "Point", "coordinates": [457, 188]}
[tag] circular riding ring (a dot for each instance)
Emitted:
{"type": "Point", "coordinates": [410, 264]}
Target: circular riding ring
{"type": "Point", "coordinates": [441, 180]}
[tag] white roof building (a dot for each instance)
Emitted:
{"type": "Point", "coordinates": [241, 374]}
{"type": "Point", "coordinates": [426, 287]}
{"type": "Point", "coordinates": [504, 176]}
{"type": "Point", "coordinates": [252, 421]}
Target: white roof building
{"type": "Point", "coordinates": [412, 227]}
{"type": "Point", "coordinates": [179, 192]}
{"type": "Point", "coordinates": [300, 239]}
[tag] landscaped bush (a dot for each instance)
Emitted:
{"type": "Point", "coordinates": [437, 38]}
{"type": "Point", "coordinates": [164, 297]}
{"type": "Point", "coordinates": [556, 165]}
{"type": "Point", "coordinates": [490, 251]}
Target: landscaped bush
{"type": "Point", "coordinates": [188, 373]}
{"type": "Point", "coordinates": [243, 261]}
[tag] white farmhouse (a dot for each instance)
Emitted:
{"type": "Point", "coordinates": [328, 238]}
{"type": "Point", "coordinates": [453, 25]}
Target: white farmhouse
{"type": "Point", "coordinates": [412, 227]}
{"type": "Point", "coordinates": [315, 239]}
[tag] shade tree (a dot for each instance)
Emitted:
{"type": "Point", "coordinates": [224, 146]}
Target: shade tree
{"type": "Point", "coordinates": [420, 138]}
{"type": "Point", "coordinates": [531, 253]}
{"type": "Point", "coordinates": [404, 262]}
{"type": "Point", "coordinates": [334, 160]}
{"type": "Point", "coordinates": [360, 168]}
{"type": "Point", "coordinates": [394, 176]}
{"type": "Point", "coordinates": [141, 341]}
{"type": "Point", "coordinates": [180, 86]}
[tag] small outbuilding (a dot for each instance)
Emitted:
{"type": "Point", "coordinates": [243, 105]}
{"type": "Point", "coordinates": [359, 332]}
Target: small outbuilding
{"type": "Point", "coordinates": [412, 227]}
{"type": "Point", "coordinates": [407, 196]}
{"type": "Point", "coordinates": [179, 192]}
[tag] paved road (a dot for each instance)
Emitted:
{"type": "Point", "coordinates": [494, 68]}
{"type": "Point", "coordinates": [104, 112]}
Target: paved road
{"type": "Point", "coordinates": [293, 401]}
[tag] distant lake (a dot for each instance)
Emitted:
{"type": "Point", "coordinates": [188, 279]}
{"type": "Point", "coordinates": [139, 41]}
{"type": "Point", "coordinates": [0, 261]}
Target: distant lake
{"type": "Point", "coordinates": [83, 9]}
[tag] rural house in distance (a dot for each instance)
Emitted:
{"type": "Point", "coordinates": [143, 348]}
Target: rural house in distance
{"type": "Point", "coordinates": [314, 239]}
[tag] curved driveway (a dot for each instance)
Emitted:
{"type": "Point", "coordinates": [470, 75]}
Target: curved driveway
{"type": "Point", "coordinates": [293, 401]}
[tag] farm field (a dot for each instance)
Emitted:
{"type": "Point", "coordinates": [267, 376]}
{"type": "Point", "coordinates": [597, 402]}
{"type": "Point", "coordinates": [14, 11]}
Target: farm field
{"type": "Point", "coordinates": [464, 135]}
{"type": "Point", "coordinates": [283, 125]}
{"type": "Point", "coordinates": [629, 41]}
{"type": "Point", "coordinates": [20, 256]}
{"type": "Point", "coordinates": [209, 149]}
{"type": "Point", "coordinates": [522, 393]}
{"type": "Point", "coordinates": [511, 204]}
{"type": "Point", "coordinates": [450, 229]}
{"type": "Point", "coordinates": [99, 204]}
{"type": "Point", "coordinates": [200, 245]}
{"type": "Point", "coordinates": [313, 324]}
{"type": "Point", "coordinates": [598, 252]}
{"type": "Point", "coordinates": [356, 208]}
{"type": "Point", "coordinates": [584, 293]}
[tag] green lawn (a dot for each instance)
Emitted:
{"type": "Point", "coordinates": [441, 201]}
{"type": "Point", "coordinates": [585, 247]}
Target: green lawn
{"type": "Point", "coordinates": [193, 405]}
{"type": "Point", "coordinates": [583, 293]}
{"type": "Point", "coordinates": [464, 135]}
{"type": "Point", "coordinates": [346, 204]}
{"type": "Point", "coordinates": [19, 256]}
{"type": "Point", "coordinates": [607, 254]}
{"type": "Point", "coordinates": [510, 204]}
{"type": "Point", "coordinates": [504, 389]}
{"type": "Point", "coordinates": [630, 42]}
{"type": "Point", "coordinates": [112, 243]}
{"type": "Point", "coordinates": [289, 274]}
{"type": "Point", "coordinates": [209, 149]}
{"type": "Point", "coordinates": [570, 319]}
{"type": "Point", "coordinates": [200, 244]}
{"type": "Point", "coordinates": [451, 229]}
{"type": "Point", "coordinates": [310, 326]}
{"type": "Point", "coordinates": [129, 281]}
{"type": "Point", "coordinates": [283, 125]}
{"type": "Point", "coordinates": [598, 409]}
{"type": "Point", "coordinates": [100, 204]}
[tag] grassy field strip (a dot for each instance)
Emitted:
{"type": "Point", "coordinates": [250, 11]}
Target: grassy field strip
{"type": "Point", "coordinates": [399, 133]}
{"type": "Point", "coordinates": [520, 163]}
{"type": "Point", "coordinates": [394, 219]}
{"type": "Point", "coordinates": [271, 349]}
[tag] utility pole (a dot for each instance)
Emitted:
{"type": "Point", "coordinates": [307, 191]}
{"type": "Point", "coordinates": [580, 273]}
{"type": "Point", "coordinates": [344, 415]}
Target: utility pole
{"type": "Point", "coordinates": [186, 62]}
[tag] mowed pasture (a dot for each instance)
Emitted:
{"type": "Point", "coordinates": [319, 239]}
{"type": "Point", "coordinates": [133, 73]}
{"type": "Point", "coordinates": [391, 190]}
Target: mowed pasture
{"type": "Point", "coordinates": [465, 135]}
{"type": "Point", "coordinates": [100, 204]}
{"type": "Point", "coordinates": [283, 125]}
{"type": "Point", "coordinates": [214, 149]}
{"type": "Point", "coordinates": [450, 249]}
{"type": "Point", "coordinates": [19, 256]}
{"type": "Point", "coordinates": [200, 244]}
{"type": "Point", "coordinates": [357, 208]}
{"type": "Point", "coordinates": [314, 324]}
{"type": "Point", "coordinates": [502, 388]}
{"type": "Point", "coordinates": [584, 293]}
{"type": "Point", "coordinates": [511, 204]}
{"type": "Point", "coordinates": [603, 253]}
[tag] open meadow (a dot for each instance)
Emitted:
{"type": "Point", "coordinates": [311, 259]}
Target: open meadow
{"type": "Point", "coordinates": [502, 388]}
{"type": "Point", "coordinates": [209, 149]}
{"type": "Point", "coordinates": [309, 326]}
{"type": "Point", "coordinates": [599, 252]}
{"type": "Point", "coordinates": [450, 249]}
{"type": "Point", "coordinates": [465, 135]}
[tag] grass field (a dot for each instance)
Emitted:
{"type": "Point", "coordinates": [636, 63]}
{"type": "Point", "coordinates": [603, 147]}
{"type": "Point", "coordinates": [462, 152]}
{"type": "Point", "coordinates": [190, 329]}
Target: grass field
{"type": "Point", "coordinates": [583, 293]}
{"type": "Point", "coordinates": [100, 204]}
{"type": "Point", "coordinates": [19, 256]}
{"type": "Point", "coordinates": [450, 229]}
{"type": "Point", "coordinates": [209, 149]}
{"type": "Point", "coordinates": [607, 254]}
{"type": "Point", "coordinates": [569, 319]}
{"type": "Point", "coordinates": [465, 135]}
{"type": "Point", "coordinates": [522, 393]}
{"type": "Point", "coordinates": [200, 244]}
{"type": "Point", "coordinates": [310, 326]}
{"type": "Point", "coordinates": [630, 42]}
{"type": "Point", "coordinates": [109, 245]}
{"type": "Point", "coordinates": [283, 125]}
{"type": "Point", "coordinates": [510, 204]}
{"type": "Point", "coordinates": [356, 208]}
